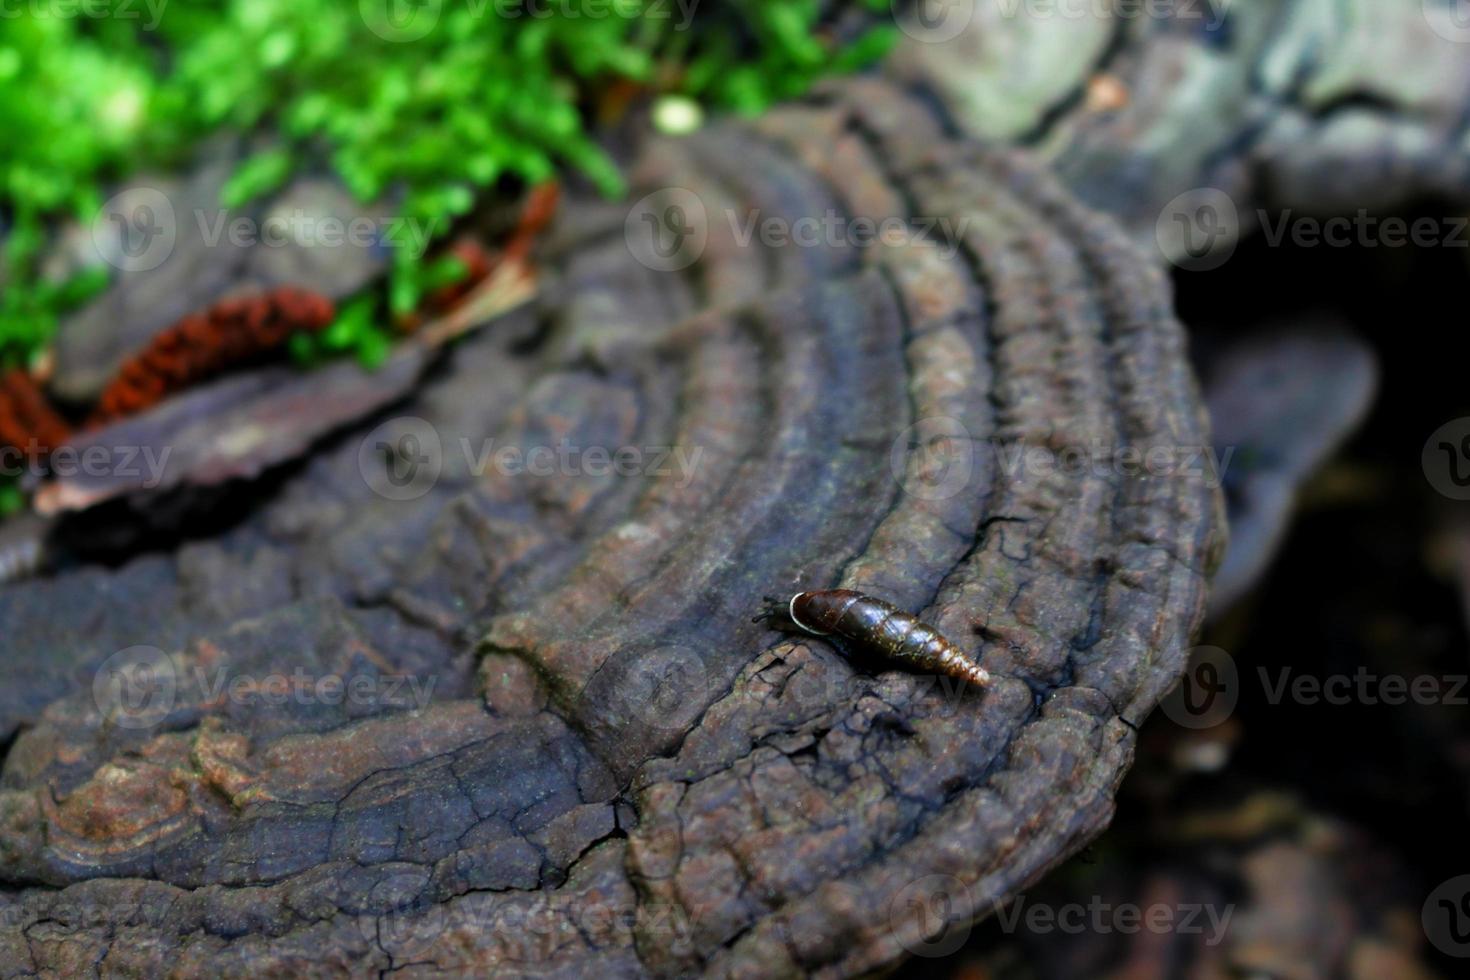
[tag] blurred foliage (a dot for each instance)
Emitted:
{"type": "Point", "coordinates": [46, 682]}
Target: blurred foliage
{"type": "Point", "coordinates": [435, 100]}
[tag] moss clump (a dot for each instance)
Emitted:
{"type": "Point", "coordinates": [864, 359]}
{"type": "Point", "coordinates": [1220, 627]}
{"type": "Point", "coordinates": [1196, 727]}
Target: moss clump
{"type": "Point", "coordinates": [439, 105]}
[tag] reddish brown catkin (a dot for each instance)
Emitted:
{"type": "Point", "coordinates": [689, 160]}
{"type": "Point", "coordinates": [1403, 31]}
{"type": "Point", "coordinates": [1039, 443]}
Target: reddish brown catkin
{"type": "Point", "coordinates": [479, 263]}
{"type": "Point", "coordinates": [205, 344]}
{"type": "Point", "coordinates": [881, 629]}
{"type": "Point", "coordinates": [535, 216]}
{"type": "Point", "coordinates": [27, 420]}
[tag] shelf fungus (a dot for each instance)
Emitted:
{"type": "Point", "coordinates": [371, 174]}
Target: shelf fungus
{"type": "Point", "coordinates": [881, 340]}
{"type": "Point", "coordinates": [557, 743]}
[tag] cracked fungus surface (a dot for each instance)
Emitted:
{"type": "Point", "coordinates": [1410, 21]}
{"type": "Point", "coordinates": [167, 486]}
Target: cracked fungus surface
{"type": "Point", "coordinates": [613, 769]}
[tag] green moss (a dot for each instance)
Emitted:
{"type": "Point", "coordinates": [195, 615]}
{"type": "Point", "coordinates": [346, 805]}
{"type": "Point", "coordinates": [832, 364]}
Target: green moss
{"type": "Point", "coordinates": [12, 498]}
{"type": "Point", "coordinates": [773, 53]}
{"type": "Point", "coordinates": [487, 93]}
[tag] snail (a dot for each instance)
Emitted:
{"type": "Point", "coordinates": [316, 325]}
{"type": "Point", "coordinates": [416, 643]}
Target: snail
{"type": "Point", "coordinates": [873, 626]}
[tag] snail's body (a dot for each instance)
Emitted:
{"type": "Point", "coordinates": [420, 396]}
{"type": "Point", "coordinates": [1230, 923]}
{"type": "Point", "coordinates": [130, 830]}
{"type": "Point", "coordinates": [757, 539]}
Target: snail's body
{"type": "Point", "coordinates": [883, 630]}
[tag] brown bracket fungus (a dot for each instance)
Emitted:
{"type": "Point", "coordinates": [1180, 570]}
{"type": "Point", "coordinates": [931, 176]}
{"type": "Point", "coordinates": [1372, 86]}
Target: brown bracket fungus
{"type": "Point", "coordinates": [565, 747]}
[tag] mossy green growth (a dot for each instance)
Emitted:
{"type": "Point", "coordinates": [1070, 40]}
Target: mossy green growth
{"type": "Point", "coordinates": [73, 111]}
{"type": "Point", "coordinates": [12, 497]}
{"type": "Point", "coordinates": [437, 107]}
{"type": "Point", "coordinates": [774, 53]}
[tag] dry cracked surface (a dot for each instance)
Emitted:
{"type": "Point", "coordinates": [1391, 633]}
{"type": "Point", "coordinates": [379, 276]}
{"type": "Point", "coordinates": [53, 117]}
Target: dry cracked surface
{"type": "Point", "coordinates": [550, 738]}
